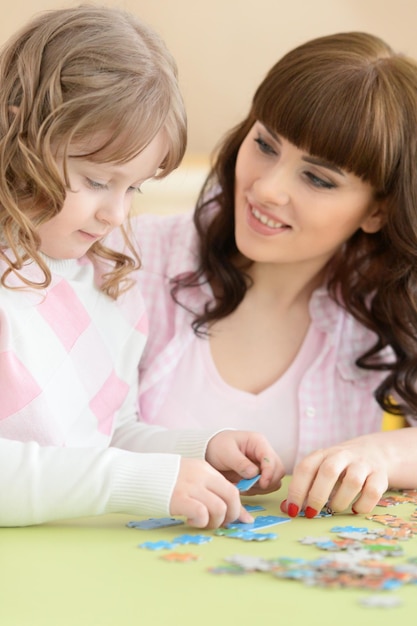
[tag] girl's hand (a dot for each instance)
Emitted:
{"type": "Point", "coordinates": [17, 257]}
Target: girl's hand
{"type": "Point", "coordinates": [244, 454]}
{"type": "Point", "coordinates": [353, 474]}
{"type": "Point", "coordinates": [205, 497]}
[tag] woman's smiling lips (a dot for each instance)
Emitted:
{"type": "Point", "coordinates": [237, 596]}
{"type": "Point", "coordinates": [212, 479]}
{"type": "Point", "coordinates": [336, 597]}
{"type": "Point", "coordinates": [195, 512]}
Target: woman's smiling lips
{"type": "Point", "coordinates": [264, 223]}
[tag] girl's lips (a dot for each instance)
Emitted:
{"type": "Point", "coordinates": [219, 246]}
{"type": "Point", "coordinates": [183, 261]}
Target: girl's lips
{"type": "Point", "coordinates": [91, 235]}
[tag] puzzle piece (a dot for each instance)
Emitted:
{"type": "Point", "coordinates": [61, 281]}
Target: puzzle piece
{"type": "Point", "coordinates": [252, 508]}
{"type": "Point", "coordinates": [249, 563]}
{"type": "Point", "coordinates": [193, 539]}
{"type": "Point", "coordinates": [262, 521]}
{"type": "Point", "coordinates": [154, 522]}
{"type": "Point", "coordinates": [311, 541]}
{"type": "Point", "coordinates": [156, 545]}
{"type": "Point", "coordinates": [227, 568]}
{"type": "Point", "coordinates": [246, 483]}
{"type": "Point", "coordinates": [380, 600]}
{"type": "Point", "coordinates": [180, 557]}
{"type": "Point", "coordinates": [248, 535]}
{"type": "Point", "coordinates": [394, 522]}
{"type": "Point", "coordinates": [349, 529]}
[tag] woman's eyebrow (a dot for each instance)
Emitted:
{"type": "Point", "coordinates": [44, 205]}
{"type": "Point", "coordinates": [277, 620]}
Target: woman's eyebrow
{"type": "Point", "coordinates": [323, 163]}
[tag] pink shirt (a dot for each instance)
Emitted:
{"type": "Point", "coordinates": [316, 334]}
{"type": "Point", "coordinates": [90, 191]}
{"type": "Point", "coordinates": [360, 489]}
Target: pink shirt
{"type": "Point", "coordinates": [226, 406]}
{"type": "Point", "coordinates": [333, 398]}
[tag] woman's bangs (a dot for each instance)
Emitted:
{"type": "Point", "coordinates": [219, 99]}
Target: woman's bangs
{"type": "Point", "coordinates": [339, 126]}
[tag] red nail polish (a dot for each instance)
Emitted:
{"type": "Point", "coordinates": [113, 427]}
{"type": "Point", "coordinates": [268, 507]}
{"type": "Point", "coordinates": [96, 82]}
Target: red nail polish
{"type": "Point", "coordinates": [310, 512]}
{"type": "Point", "coordinates": [281, 506]}
{"type": "Point", "coordinates": [354, 512]}
{"type": "Point", "coordinates": [292, 510]}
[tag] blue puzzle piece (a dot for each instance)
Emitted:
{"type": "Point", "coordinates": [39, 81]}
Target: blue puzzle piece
{"type": "Point", "coordinates": [251, 508]}
{"type": "Point", "coordinates": [246, 483]}
{"type": "Point", "coordinates": [262, 521]}
{"type": "Point", "coordinates": [157, 545]}
{"type": "Point", "coordinates": [155, 522]}
{"type": "Point", "coordinates": [193, 539]}
{"type": "Point", "coordinates": [349, 529]}
{"type": "Point", "coordinates": [249, 535]}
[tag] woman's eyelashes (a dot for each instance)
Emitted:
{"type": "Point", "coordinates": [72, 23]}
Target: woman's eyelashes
{"type": "Point", "coordinates": [321, 183]}
{"type": "Point", "coordinates": [264, 146]}
{"type": "Point", "coordinates": [315, 180]}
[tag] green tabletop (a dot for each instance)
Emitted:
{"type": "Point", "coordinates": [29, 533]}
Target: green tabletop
{"type": "Point", "coordinates": [91, 572]}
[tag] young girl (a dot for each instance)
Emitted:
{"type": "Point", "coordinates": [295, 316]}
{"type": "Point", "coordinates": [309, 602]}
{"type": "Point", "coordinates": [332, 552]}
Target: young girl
{"type": "Point", "coordinates": [89, 109]}
{"type": "Point", "coordinates": [288, 304]}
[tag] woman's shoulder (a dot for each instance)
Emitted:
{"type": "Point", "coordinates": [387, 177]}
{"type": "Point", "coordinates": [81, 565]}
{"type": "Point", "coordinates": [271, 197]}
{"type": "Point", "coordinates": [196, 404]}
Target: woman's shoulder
{"type": "Point", "coordinates": [162, 228]}
{"type": "Point", "coordinates": [166, 243]}
{"type": "Point", "coordinates": [348, 336]}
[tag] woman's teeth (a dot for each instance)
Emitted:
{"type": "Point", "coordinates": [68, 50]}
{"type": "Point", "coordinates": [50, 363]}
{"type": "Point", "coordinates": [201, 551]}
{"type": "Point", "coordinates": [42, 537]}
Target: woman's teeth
{"type": "Point", "coordinates": [266, 220]}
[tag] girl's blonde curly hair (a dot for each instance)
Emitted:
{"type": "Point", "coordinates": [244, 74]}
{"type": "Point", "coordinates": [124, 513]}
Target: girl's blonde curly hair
{"type": "Point", "coordinates": [68, 75]}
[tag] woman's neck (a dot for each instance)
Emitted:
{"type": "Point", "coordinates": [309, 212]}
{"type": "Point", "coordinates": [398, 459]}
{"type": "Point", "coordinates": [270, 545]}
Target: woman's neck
{"type": "Point", "coordinates": [285, 285]}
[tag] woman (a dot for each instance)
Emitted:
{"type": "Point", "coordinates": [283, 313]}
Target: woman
{"type": "Point", "coordinates": [288, 304]}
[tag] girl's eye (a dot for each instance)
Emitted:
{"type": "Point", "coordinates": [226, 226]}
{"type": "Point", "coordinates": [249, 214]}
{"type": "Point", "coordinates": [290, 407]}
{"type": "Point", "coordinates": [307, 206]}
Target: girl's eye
{"type": "Point", "coordinates": [135, 189]}
{"type": "Point", "coordinates": [316, 181]}
{"type": "Point", "coordinates": [95, 185]}
{"type": "Point", "coordinates": [264, 146]}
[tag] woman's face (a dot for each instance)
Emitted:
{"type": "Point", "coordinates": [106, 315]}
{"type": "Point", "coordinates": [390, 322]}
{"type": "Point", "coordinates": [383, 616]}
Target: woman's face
{"type": "Point", "coordinates": [291, 207]}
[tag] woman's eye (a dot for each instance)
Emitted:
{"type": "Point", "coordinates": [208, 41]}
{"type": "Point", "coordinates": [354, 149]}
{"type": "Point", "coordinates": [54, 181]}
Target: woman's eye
{"type": "Point", "coordinates": [316, 181]}
{"type": "Point", "coordinates": [135, 189]}
{"type": "Point", "coordinates": [264, 146]}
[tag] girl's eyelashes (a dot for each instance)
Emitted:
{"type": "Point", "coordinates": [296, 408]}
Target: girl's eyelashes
{"type": "Point", "coordinates": [264, 146]}
{"type": "Point", "coordinates": [95, 185]}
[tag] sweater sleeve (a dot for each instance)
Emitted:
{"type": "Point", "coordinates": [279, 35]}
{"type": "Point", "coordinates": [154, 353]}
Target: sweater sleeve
{"type": "Point", "coordinates": [45, 483]}
{"type": "Point", "coordinates": [136, 474]}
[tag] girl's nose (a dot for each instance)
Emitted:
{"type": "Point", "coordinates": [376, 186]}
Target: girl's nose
{"type": "Point", "coordinates": [114, 211]}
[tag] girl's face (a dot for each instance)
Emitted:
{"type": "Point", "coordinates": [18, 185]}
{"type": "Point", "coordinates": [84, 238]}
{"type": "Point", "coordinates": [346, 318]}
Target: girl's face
{"type": "Point", "coordinates": [291, 207]}
{"type": "Point", "coordinates": [99, 199]}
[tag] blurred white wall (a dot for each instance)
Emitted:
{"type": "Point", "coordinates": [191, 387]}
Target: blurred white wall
{"type": "Point", "coordinates": [224, 48]}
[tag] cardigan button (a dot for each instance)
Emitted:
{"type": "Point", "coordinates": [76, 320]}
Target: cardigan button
{"type": "Point", "coordinates": [310, 411]}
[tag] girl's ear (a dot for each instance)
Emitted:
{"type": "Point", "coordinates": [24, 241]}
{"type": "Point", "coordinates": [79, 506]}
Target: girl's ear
{"type": "Point", "coordinates": [376, 217]}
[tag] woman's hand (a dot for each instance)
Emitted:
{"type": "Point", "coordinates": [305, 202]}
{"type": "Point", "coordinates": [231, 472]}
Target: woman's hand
{"type": "Point", "coordinates": [244, 454]}
{"type": "Point", "coordinates": [353, 474]}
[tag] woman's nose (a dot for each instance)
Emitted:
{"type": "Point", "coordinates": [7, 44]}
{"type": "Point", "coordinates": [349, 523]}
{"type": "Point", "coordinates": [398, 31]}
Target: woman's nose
{"type": "Point", "coordinates": [273, 186]}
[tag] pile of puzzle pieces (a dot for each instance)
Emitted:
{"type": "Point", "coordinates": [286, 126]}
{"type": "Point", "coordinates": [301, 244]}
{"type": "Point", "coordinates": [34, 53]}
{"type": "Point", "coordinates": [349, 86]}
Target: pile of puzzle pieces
{"type": "Point", "coordinates": [358, 557]}
{"type": "Point", "coordinates": [356, 561]}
